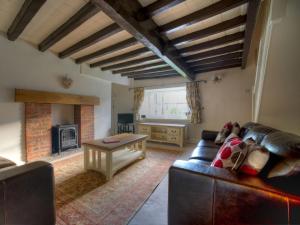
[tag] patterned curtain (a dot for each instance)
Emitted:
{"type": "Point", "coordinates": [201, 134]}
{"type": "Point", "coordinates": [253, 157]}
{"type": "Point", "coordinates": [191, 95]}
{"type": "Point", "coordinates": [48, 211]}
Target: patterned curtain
{"type": "Point", "coordinates": [138, 99]}
{"type": "Point", "coordinates": [193, 100]}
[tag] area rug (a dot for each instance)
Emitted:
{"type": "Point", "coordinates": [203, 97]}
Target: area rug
{"type": "Point", "coordinates": [85, 198]}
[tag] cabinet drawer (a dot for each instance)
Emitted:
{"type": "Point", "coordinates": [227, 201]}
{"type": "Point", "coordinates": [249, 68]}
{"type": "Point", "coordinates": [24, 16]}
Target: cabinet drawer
{"type": "Point", "coordinates": [173, 139]}
{"type": "Point", "coordinates": [144, 129]}
{"type": "Point", "coordinates": [173, 131]}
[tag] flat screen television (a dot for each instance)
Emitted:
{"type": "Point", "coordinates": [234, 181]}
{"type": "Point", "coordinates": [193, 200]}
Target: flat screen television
{"type": "Point", "coordinates": [125, 117]}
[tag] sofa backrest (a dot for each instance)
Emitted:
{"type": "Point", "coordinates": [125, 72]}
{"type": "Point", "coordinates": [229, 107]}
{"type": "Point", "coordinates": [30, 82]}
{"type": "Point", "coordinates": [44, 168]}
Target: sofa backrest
{"type": "Point", "coordinates": [283, 144]}
{"type": "Point", "coordinates": [246, 127]}
{"type": "Point", "coordinates": [258, 133]}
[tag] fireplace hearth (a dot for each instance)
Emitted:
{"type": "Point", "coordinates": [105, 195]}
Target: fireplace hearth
{"type": "Point", "coordinates": [64, 137]}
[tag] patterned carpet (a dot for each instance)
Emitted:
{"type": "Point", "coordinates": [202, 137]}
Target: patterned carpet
{"type": "Point", "coordinates": [84, 198]}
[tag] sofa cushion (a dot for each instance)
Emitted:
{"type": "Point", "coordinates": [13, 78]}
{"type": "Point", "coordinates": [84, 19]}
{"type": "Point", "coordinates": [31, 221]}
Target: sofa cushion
{"type": "Point", "coordinates": [258, 133]}
{"type": "Point", "coordinates": [283, 144]}
{"type": "Point", "coordinates": [256, 159]}
{"type": "Point", "coordinates": [231, 154]}
{"type": "Point", "coordinates": [5, 163]}
{"type": "Point", "coordinates": [210, 144]}
{"type": "Point", "coordinates": [224, 133]}
{"type": "Point", "coordinates": [204, 153]}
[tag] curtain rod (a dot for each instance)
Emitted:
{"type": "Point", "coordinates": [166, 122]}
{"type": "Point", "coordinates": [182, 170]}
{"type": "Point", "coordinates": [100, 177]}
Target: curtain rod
{"type": "Point", "coordinates": [162, 85]}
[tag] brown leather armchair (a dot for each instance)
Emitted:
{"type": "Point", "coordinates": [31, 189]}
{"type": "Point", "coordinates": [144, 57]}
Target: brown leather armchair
{"type": "Point", "coordinates": [200, 194]}
{"type": "Point", "coordinates": [27, 194]}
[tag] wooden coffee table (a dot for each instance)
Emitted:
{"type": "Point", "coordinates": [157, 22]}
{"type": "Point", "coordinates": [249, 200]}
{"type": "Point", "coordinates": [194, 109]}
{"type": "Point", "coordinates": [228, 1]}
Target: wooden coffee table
{"type": "Point", "coordinates": [108, 158]}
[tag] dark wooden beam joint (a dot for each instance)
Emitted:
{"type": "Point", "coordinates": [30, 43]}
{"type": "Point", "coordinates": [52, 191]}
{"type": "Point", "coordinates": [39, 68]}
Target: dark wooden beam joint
{"type": "Point", "coordinates": [28, 10]}
{"type": "Point", "coordinates": [85, 13]}
{"type": "Point", "coordinates": [252, 13]}
{"type": "Point", "coordinates": [122, 15]}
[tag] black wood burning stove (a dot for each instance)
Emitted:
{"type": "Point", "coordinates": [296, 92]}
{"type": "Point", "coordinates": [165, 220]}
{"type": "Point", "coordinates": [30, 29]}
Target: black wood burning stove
{"type": "Point", "coordinates": [64, 137]}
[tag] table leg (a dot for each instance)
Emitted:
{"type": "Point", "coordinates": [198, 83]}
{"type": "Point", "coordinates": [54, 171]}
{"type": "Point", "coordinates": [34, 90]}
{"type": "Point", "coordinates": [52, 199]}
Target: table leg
{"type": "Point", "coordinates": [144, 148]}
{"type": "Point", "coordinates": [108, 171]}
{"type": "Point", "coordinates": [86, 157]}
{"type": "Point", "coordinates": [99, 160]}
{"type": "Point", "coordinates": [94, 163]}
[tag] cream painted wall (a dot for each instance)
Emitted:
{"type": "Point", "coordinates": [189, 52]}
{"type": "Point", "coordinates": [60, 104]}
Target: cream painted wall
{"type": "Point", "coordinates": [227, 100]}
{"type": "Point", "coordinates": [122, 102]}
{"type": "Point", "coordinates": [23, 66]}
{"type": "Point", "coordinates": [280, 101]}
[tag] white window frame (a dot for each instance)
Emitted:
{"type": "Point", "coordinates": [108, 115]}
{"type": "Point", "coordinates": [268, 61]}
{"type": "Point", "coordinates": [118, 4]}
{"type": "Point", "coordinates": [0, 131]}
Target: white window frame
{"type": "Point", "coordinates": [161, 118]}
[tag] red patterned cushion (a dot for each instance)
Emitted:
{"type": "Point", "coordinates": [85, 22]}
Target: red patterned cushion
{"type": "Point", "coordinates": [226, 130]}
{"type": "Point", "coordinates": [231, 154]}
{"type": "Point", "coordinates": [257, 158]}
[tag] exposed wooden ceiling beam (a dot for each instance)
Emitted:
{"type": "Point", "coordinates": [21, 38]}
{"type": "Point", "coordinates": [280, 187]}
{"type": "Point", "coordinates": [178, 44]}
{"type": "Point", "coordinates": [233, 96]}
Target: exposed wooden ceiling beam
{"type": "Point", "coordinates": [92, 39]}
{"type": "Point", "coordinates": [218, 64]}
{"type": "Point", "coordinates": [216, 42]}
{"type": "Point", "coordinates": [121, 45]}
{"type": "Point", "coordinates": [28, 10]}
{"type": "Point", "coordinates": [117, 58]}
{"type": "Point", "coordinates": [159, 6]}
{"type": "Point", "coordinates": [129, 63]}
{"type": "Point", "coordinates": [155, 76]}
{"type": "Point", "coordinates": [138, 68]}
{"type": "Point", "coordinates": [123, 13]}
{"type": "Point", "coordinates": [219, 68]}
{"type": "Point", "coordinates": [202, 14]}
{"type": "Point", "coordinates": [203, 62]}
{"type": "Point", "coordinates": [220, 27]}
{"type": "Point", "coordinates": [252, 13]}
{"type": "Point", "coordinates": [85, 13]}
{"type": "Point", "coordinates": [161, 69]}
{"type": "Point", "coordinates": [214, 52]}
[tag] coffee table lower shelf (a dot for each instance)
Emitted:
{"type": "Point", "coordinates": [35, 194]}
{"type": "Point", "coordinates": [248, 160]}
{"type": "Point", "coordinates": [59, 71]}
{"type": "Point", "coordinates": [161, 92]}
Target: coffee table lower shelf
{"type": "Point", "coordinates": [109, 162]}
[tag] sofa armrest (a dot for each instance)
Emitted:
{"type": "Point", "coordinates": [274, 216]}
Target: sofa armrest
{"type": "Point", "coordinates": [27, 194]}
{"type": "Point", "coordinates": [209, 135]}
{"type": "Point", "coordinates": [200, 194]}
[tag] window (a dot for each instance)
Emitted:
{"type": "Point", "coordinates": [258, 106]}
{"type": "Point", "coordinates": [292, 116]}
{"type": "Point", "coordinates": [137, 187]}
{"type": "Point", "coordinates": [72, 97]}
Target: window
{"type": "Point", "coordinates": [165, 103]}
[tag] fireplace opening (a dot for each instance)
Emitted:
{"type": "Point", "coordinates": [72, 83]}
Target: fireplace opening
{"type": "Point", "coordinates": [64, 137]}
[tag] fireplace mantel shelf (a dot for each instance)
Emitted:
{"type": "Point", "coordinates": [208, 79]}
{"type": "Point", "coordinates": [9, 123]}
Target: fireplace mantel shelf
{"type": "Point", "coordinates": [32, 96]}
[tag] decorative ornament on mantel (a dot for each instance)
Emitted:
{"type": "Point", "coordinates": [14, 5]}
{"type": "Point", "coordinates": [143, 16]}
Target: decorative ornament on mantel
{"type": "Point", "coordinates": [66, 82]}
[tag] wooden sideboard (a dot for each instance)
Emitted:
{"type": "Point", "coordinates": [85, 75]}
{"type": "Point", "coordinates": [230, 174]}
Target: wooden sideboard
{"type": "Point", "coordinates": [163, 132]}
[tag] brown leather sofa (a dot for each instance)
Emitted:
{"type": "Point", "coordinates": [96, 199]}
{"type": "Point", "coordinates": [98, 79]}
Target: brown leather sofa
{"type": "Point", "coordinates": [26, 193]}
{"type": "Point", "coordinates": [201, 195]}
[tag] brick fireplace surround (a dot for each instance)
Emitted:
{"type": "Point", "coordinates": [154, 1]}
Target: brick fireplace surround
{"type": "Point", "coordinates": [38, 125]}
